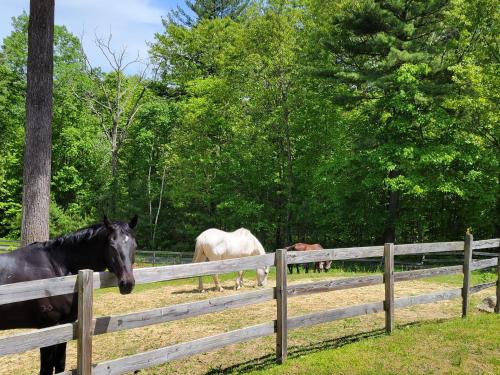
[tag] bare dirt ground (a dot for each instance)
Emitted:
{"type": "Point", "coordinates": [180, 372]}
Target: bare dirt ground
{"type": "Point", "coordinates": [233, 358]}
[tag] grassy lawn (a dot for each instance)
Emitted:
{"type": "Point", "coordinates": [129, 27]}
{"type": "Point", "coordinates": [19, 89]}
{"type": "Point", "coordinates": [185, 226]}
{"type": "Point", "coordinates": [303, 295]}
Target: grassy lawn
{"type": "Point", "coordinates": [456, 346]}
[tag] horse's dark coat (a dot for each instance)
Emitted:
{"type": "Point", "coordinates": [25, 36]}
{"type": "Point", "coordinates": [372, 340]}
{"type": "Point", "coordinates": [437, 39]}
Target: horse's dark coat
{"type": "Point", "coordinates": [106, 245]}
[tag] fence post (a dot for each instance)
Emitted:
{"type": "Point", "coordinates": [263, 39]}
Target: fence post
{"type": "Point", "coordinates": [389, 286]}
{"type": "Point", "coordinates": [466, 270]}
{"type": "Point", "coordinates": [84, 347]}
{"type": "Point", "coordinates": [497, 306]}
{"type": "Point", "coordinates": [282, 306]}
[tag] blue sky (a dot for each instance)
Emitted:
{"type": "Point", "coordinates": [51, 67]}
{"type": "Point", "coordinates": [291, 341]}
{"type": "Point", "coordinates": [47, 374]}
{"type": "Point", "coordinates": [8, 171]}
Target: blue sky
{"type": "Point", "coordinates": [131, 22]}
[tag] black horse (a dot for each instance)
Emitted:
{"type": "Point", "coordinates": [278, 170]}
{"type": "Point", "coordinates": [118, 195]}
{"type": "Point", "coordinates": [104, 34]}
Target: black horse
{"type": "Point", "coordinates": [108, 245]}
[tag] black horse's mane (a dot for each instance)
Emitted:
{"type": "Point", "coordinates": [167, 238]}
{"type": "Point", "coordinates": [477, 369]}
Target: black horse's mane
{"type": "Point", "coordinates": [80, 236]}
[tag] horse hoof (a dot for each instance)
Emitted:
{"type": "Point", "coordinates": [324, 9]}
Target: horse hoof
{"type": "Point", "coordinates": [221, 289]}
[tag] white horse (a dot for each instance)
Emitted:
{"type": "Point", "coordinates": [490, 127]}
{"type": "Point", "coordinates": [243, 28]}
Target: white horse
{"type": "Point", "coordinates": [215, 244]}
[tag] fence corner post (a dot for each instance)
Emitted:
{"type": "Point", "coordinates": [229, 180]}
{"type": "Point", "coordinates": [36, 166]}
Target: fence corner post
{"type": "Point", "coordinates": [84, 330]}
{"type": "Point", "coordinates": [389, 286]}
{"type": "Point", "coordinates": [282, 306]}
{"type": "Point", "coordinates": [497, 306]}
{"type": "Point", "coordinates": [469, 239]}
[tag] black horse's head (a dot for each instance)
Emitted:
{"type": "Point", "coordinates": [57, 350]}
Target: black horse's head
{"type": "Point", "coordinates": [120, 252]}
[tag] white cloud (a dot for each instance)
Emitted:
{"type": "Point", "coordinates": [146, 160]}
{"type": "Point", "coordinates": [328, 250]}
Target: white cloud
{"type": "Point", "coordinates": [132, 23]}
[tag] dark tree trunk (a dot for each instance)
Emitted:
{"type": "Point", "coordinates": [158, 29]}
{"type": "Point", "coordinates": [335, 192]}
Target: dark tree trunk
{"type": "Point", "coordinates": [393, 208]}
{"type": "Point", "coordinates": [38, 140]}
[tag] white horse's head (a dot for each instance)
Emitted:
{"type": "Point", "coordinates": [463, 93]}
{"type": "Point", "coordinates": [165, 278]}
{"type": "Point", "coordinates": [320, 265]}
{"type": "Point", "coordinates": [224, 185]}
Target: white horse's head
{"type": "Point", "coordinates": [262, 276]}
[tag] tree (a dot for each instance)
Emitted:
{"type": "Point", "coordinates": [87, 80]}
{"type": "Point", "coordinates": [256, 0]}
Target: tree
{"type": "Point", "coordinates": [115, 99]}
{"type": "Point", "coordinates": [38, 142]}
{"type": "Point", "coordinates": [208, 9]}
{"type": "Point", "coordinates": [393, 58]}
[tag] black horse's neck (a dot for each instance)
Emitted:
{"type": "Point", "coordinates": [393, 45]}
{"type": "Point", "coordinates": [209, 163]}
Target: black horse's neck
{"type": "Point", "coordinates": [84, 249]}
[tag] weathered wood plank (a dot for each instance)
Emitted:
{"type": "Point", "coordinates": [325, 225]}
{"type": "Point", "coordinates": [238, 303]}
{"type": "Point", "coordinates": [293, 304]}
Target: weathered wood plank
{"type": "Point", "coordinates": [182, 271]}
{"type": "Point", "coordinates": [295, 290]}
{"type": "Point", "coordinates": [402, 302]}
{"type": "Point", "coordinates": [281, 306]}
{"type": "Point", "coordinates": [468, 243]}
{"type": "Point", "coordinates": [27, 290]}
{"type": "Point", "coordinates": [427, 272]}
{"type": "Point", "coordinates": [477, 288]}
{"type": "Point", "coordinates": [334, 254]}
{"type": "Point", "coordinates": [107, 324]}
{"type": "Point", "coordinates": [336, 314]}
{"type": "Point", "coordinates": [389, 286]}
{"type": "Point", "coordinates": [483, 263]}
{"type": "Point", "coordinates": [84, 324]}
{"type": "Point", "coordinates": [497, 305]}
{"type": "Point", "coordinates": [17, 292]}
{"type": "Point", "coordinates": [40, 338]}
{"type": "Point", "coordinates": [486, 244]}
{"type": "Point", "coordinates": [434, 247]}
{"type": "Point", "coordinates": [156, 357]}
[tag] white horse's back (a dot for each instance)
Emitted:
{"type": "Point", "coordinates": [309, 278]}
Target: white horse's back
{"type": "Point", "coordinates": [216, 244]}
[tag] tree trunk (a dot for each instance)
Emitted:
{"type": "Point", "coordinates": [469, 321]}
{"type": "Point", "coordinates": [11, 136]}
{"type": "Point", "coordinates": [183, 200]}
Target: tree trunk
{"type": "Point", "coordinates": [390, 225]}
{"type": "Point", "coordinates": [38, 140]}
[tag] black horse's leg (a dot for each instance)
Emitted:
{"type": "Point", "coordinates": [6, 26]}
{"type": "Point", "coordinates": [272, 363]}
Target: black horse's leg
{"type": "Point", "coordinates": [47, 356]}
{"type": "Point", "coordinates": [60, 357]}
{"type": "Point", "coordinates": [290, 268]}
{"type": "Point", "coordinates": [297, 268]}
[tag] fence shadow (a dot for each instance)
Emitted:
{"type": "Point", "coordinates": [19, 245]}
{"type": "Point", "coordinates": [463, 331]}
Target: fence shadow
{"type": "Point", "coordinates": [269, 360]}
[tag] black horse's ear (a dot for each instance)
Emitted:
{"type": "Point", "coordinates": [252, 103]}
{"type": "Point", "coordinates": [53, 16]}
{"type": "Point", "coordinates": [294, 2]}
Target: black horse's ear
{"type": "Point", "coordinates": [133, 222]}
{"type": "Point", "coordinates": [107, 223]}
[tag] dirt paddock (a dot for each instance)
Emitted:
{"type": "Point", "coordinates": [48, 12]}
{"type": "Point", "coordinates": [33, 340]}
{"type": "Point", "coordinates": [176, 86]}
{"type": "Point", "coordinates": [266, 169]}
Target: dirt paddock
{"type": "Point", "coordinates": [234, 357]}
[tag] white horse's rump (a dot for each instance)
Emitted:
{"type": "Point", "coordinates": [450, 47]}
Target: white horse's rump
{"type": "Point", "coordinates": [215, 244]}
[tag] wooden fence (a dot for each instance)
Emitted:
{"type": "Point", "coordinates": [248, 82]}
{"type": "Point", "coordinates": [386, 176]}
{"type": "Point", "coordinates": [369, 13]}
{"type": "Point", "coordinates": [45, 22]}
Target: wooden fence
{"type": "Point", "coordinates": [87, 326]}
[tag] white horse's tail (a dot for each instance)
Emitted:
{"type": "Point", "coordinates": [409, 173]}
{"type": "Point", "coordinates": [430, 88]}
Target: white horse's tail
{"type": "Point", "coordinates": [199, 256]}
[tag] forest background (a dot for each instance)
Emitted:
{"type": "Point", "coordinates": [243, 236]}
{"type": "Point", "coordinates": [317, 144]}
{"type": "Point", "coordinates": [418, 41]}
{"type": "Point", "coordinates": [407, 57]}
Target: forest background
{"type": "Point", "coordinates": [339, 122]}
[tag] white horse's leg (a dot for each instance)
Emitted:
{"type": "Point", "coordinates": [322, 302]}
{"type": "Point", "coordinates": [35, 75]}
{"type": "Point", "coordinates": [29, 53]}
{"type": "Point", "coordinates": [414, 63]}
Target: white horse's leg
{"type": "Point", "coordinates": [217, 283]}
{"type": "Point", "coordinates": [200, 284]}
{"type": "Point", "coordinates": [239, 280]}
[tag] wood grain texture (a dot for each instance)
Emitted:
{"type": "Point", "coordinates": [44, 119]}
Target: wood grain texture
{"type": "Point", "coordinates": [40, 338]}
{"type": "Point", "coordinates": [483, 263]}
{"type": "Point", "coordinates": [84, 323]}
{"type": "Point", "coordinates": [468, 243]}
{"type": "Point", "coordinates": [27, 290]}
{"type": "Point", "coordinates": [486, 244]}
{"type": "Point", "coordinates": [295, 290]}
{"type": "Point", "coordinates": [389, 286]}
{"type": "Point", "coordinates": [336, 314]}
{"type": "Point", "coordinates": [281, 306]}
{"type": "Point", "coordinates": [427, 298]}
{"type": "Point", "coordinates": [159, 356]}
{"type": "Point", "coordinates": [434, 247]}
{"type": "Point", "coordinates": [334, 254]}
{"type": "Point", "coordinates": [428, 272]}
{"type": "Point", "coordinates": [497, 306]}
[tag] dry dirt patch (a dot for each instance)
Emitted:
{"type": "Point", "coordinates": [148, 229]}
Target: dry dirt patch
{"type": "Point", "coordinates": [124, 343]}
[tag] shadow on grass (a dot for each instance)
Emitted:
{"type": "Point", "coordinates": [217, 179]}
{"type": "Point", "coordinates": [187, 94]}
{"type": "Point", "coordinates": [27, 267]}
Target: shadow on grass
{"type": "Point", "coordinates": [268, 361]}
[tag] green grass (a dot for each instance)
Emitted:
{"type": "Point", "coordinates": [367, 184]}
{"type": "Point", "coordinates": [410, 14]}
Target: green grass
{"type": "Point", "coordinates": [457, 346]}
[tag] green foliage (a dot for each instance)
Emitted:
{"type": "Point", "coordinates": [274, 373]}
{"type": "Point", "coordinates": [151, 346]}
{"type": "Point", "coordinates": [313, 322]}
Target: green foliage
{"type": "Point", "coordinates": [317, 121]}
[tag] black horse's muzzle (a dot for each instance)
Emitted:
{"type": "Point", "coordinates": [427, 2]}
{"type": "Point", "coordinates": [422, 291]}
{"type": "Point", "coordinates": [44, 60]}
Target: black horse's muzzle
{"type": "Point", "coordinates": [126, 285]}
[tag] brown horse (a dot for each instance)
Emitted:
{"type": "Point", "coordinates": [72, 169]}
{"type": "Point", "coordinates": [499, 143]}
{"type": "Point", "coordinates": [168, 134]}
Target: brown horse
{"type": "Point", "coordinates": [318, 266]}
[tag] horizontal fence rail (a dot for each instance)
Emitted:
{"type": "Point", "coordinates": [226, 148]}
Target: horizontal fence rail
{"type": "Point", "coordinates": [106, 324]}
